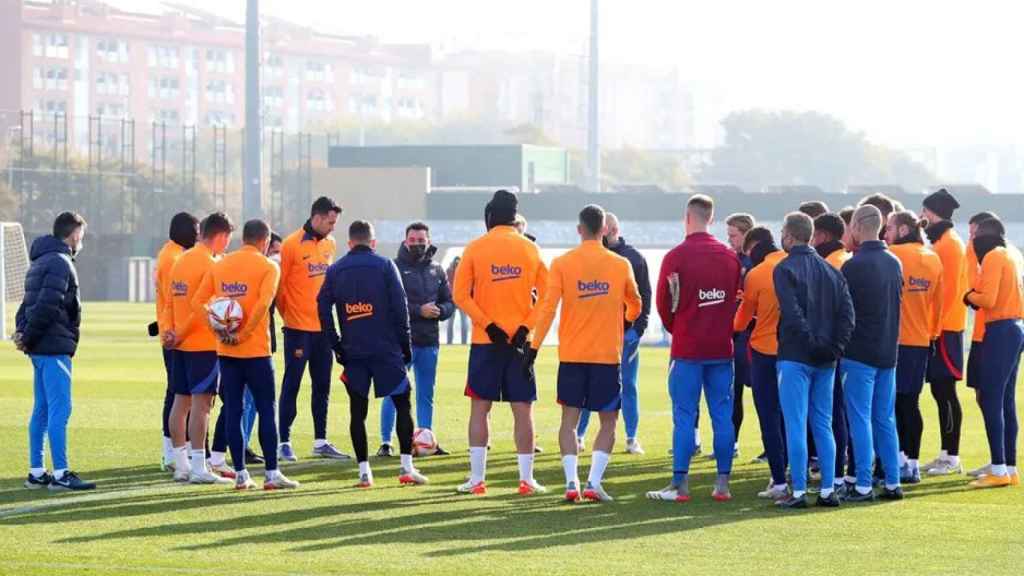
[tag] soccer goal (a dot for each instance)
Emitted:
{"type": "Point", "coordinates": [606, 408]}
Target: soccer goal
{"type": "Point", "coordinates": [13, 267]}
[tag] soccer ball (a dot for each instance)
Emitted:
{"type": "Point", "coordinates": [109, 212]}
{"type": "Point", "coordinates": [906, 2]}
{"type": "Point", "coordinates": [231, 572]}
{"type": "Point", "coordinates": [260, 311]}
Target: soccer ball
{"type": "Point", "coordinates": [224, 315]}
{"type": "Point", "coordinates": [423, 442]}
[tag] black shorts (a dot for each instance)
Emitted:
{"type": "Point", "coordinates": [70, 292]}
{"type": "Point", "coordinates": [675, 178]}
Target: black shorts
{"type": "Point", "coordinates": [195, 372]}
{"type": "Point", "coordinates": [496, 374]}
{"type": "Point", "coordinates": [974, 360]}
{"type": "Point", "coordinates": [948, 361]}
{"type": "Point", "coordinates": [388, 377]}
{"type": "Point", "coordinates": [911, 365]}
{"type": "Point", "coordinates": [595, 387]}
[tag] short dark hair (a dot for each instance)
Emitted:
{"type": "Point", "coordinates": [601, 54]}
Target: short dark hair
{"type": "Point", "coordinates": [756, 235]}
{"type": "Point", "coordinates": [701, 205]}
{"type": "Point", "coordinates": [884, 204]}
{"type": "Point", "coordinates": [360, 231]}
{"type": "Point", "coordinates": [799, 226]}
{"type": "Point", "coordinates": [417, 226]}
{"type": "Point", "coordinates": [183, 229]}
{"type": "Point", "coordinates": [592, 218]}
{"type": "Point", "coordinates": [847, 214]}
{"type": "Point", "coordinates": [255, 231]}
{"type": "Point", "coordinates": [275, 238]}
{"type": "Point", "coordinates": [814, 208]}
{"type": "Point", "coordinates": [66, 223]}
{"type": "Point", "coordinates": [323, 206]}
{"type": "Point", "coordinates": [981, 217]}
{"type": "Point", "coordinates": [831, 224]}
{"type": "Point", "coordinates": [216, 223]}
{"type": "Point", "coordinates": [991, 227]}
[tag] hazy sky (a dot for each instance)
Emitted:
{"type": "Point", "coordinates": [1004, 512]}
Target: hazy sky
{"type": "Point", "coordinates": [906, 72]}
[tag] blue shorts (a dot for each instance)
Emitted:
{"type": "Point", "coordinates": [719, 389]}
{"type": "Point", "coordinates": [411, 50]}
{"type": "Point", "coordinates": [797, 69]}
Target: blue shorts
{"type": "Point", "coordinates": [948, 361]}
{"type": "Point", "coordinates": [595, 387]}
{"type": "Point", "coordinates": [974, 359]}
{"type": "Point", "coordinates": [496, 374]}
{"type": "Point", "coordinates": [195, 373]}
{"type": "Point", "coordinates": [389, 377]}
{"type": "Point", "coordinates": [911, 366]}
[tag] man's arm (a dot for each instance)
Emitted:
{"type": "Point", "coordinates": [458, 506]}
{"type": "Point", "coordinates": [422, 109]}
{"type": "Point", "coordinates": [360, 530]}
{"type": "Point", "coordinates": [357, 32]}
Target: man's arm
{"type": "Point", "coordinates": [540, 285]}
{"type": "Point", "coordinates": [548, 305]}
{"type": "Point", "coordinates": [325, 309]}
{"type": "Point", "coordinates": [664, 298]}
{"type": "Point", "coordinates": [748, 306]}
{"type": "Point", "coordinates": [643, 283]}
{"type": "Point", "coordinates": [634, 303]}
{"type": "Point", "coordinates": [846, 317]}
{"type": "Point", "coordinates": [399, 305]}
{"type": "Point", "coordinates": [938, 301]}
{"type": "Point", "coordinates": [47, 307]}
{"type": "Point", "coordinates": [463, 291]}
{"type": "Point", "coordinates": [268, 287]}
{"type": "Point", "coordinates": [197, 310]}
{"type": "Point", "coordinates": [287, 261]}
{"type": "Point", "coordinates": [444, 296]}
{"type": "Point", "coordinates": [984, 296]}
{"type": "Point", "coordinates": [792, 317]}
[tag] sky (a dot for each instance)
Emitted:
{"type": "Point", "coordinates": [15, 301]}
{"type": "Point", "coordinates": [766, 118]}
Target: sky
{"type": "Point", "coordinates": [907, 73]}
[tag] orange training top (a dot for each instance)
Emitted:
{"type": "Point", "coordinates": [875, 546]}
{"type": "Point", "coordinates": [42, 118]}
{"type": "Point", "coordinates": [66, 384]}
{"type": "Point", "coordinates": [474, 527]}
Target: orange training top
{"type": "Point", "coordinates": [838, 257]}
{"type": "Point", "coordinates": [304, 261]}
{"type": "Point", "coordinates": [760, 302]}
{"type": "Point", "coordinates": [921, 305]}
{"type": "Point", "coordinates": [183, 283]}
{"type": "Point", "coordinates": [952, 253]}
{"type": "Point", "coordinates": [251, 279]}
{"type": "Point", "coordinates": [496, 279]}
{"type": "Point", "coordinates": [971, 263]}
{"type": "Point", "coordinates": [164, 262]}
{"type": "Point", "coordinates": [593, 284]}
{"type": "Point", "coordinates": [1000, 287]}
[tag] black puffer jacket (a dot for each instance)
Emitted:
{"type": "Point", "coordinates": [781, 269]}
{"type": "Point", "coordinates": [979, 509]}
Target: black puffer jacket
{"type": "Point", "coordinates": [50, 315]}
{"type": "Point", "coordinates": [425, 281]}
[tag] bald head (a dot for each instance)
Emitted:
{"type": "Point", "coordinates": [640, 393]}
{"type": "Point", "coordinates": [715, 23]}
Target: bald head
{"type": "Point", "coordinates": [611, 223]}
{"type": "Point", "coordinates": [866, 223]}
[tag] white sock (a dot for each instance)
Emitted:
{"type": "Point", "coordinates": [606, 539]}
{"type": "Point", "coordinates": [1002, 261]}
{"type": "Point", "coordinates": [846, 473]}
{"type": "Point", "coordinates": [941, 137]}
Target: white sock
{"type": "Point", "coordinates": [838, 483]}
{"type": "Point", "coordinates": [364, 468]}
{"type": "Point", "coordinates": [913, 464]}
{"type": "Point", "coordinates": [181, 458]}
{"type": "Point", "coordinates": [218, 459]}
{"type": "Point", "coordinates": [696, 436]}
{"type": "Point", "coordinates": [903, 459]}
{"type": "Point", "coordinates": [891, 487]}
{"type": "Point", "coordinates": [736, 446]}
{"type": "Point", "coordinates": [525, 466]}
{"type": "Point", "coordinates": [198, 459]}
{"type": "Point", "coordinates": [477, 463]}
{"type": "Point", "coordinates": [406, 460]}
{"type": "Point", "coordinates": [168, 449]}
{"type": "Point", "coordinates": [598, 464]}
{"type": "Point", "coordinates": [779, 486]}
{"type": "Point", "coordinates": [863, 490]}
{"type": "Point", "coordinates": [999, 469]}
{"type": "Point", "coordinates": [37, 472]}
{"type": "Point", "coordinates": [569, 466]}
{"type": "Point", "coordinates": [1011, 470]}
{"type": "Point", "coordinates": [943, 454]}
{"type": "Point", "coordinates": [850, 479]}
{"type": "Point", "coordinates": [319, 443]}
{"type": "Point", "coordinates": [826, 492]}
{"type": "Point", "coordinates": [630, 440]}
{"type": "Point", "coordinates": [271, 475]}
{"type": "Point", "coordinates": [798, 493]}
{"type": "Point", "coordinates": [284, 444]}
{"type": "Point", "coordinates": [954, 460]}
{"type": "Point", "coordinates": [241, 476]}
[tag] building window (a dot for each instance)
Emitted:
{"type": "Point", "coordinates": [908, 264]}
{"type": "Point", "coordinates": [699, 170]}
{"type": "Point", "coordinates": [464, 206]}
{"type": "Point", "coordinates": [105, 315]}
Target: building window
{"type": "Point", "coordinates": [51, 45]}
{"type": "Point", "coordinates": [114, 109]}
{"type": "Point", "coordinates": [273, 66]}
{"type": "Point", "coordinates": [220, 60]}
{"type": "Point", "coordinates": [273, 97]}
{"type": "Point", "coordinates": [318, 101]}
{"type": "Point", "coordinates": [219, 91]}
{"type": "Point", "coordinates": [166, 115]}
{"type": "Point", "coordinates": [111, 50]}
{"type": "Point", "coordinates": [409, 108]}
{"type": "Point", "coordinates": [112, 84]}
{"type": "Point", "coordinates": [51, 106]}
{"type": "Point", "coordinates": [164, 88]}
{"type": "Point", "coordinates": [317, 71]}
{"type": "Point", "coordinates": [163, 56]}
{"type": "Point", "coordinates": [220, 118]}
{"type": "Point", "coordinates": [50, 78]}
{"type": "Point", "coordinates": [409, 80]}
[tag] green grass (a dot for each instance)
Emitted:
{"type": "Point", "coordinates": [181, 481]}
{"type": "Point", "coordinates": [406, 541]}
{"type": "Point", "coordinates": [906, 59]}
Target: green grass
{"type": "Point", "coordinates": [139, 522]}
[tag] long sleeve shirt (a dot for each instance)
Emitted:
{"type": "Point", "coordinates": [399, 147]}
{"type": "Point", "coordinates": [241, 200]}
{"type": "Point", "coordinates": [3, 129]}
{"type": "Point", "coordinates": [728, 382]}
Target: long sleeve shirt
{"type": "Point", "coordinates": [304, 261]}
{"type": "Point", "coordinates": [183, 283]}
{"type": "Point", "coordinates": [760, 302]}
{"type": "Point", "coordinates": [921, 305]}
{"type": "Point", "coordinates": [1000, 288]}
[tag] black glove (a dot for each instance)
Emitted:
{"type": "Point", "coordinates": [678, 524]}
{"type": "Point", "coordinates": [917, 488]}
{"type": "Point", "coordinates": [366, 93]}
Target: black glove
{"type": "Point", "coordinates": [497, 335]}
{"type": "Point", "coordinates": [406, 354]}
{"type": "Point", "coordinates": [933, 347]}
{"type": "Point", "coordinates": [968, 302]}
{"type": "Point", "coordinates": [529, 357]}
{"type": "Point", "coordinates": [339, 353]}
{"type": "Point", "coordinates": [519, 341]}
{"type": "Point", "coordinates": [823, 353]}
{"type": "Point", "coordinates": [153, 329]}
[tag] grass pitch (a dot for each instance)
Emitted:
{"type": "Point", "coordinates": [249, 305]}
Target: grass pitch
{"type": "Point", "coordinates": [139, 522]}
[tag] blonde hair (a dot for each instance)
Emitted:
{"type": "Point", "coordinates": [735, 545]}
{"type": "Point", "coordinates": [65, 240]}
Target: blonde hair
{"type": "Point", "coordinates": [740, 221]}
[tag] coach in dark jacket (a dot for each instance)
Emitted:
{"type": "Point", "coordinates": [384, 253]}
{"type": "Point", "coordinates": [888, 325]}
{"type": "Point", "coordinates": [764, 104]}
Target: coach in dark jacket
{"type": "Point", "coordinates": [875, 278]}
{"type": "Point", "coordinates": [430, 303]}
{"type": "Point", "coordinates": [47, 329]}
{"type": "Point", "coordinates": [815, 324]}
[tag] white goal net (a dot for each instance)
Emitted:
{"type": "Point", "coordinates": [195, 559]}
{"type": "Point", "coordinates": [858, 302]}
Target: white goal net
{"type": "Point", "coordinates": [13, 267]}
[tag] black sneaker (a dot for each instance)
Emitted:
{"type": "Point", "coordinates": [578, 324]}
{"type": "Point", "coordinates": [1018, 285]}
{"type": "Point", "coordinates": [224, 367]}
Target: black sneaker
{"type": "Point", "coordinates": [384, 451]}
{"type": "Point", "coordinates": [252, 458]}
{"type": "Point", "coordinates": [70, 481]}
{"type": "Point", "coordinates": [847, 490]}
{"type": "Point", "coordinates": [441, 452]}
{"type": "Point", "coordinates": [35, 483]}
{"type": "Point", "coordinates": [831, 502]}
{"type": "Point", "coordinates": [894, 494]}
{"type": "Point", "coordinates": [856, 496]}
{"type": "Point", "coordinates": [793, 502]}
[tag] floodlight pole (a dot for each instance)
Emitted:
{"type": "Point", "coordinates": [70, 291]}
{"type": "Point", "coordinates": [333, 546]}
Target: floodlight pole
{"type": "Point", "coordinates": [252, 198]}
{"type": "Point", "coordinates": [593, 126]}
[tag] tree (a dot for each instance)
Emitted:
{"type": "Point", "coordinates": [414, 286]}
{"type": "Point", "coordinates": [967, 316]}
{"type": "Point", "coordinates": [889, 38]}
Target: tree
{"type": "Point", "coordinates": [796, 148]}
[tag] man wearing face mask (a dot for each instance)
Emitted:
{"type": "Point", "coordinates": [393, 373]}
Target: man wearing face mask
{"type": "Point", "coordinates": [47, 330]}
{"type": "Point", "coordinates": [430, 303]}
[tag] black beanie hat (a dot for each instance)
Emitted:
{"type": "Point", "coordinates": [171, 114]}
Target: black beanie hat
{"type": "Point", "coordinates": [942, 203]}
{"type": "Point", "coordinates": [501, 210]}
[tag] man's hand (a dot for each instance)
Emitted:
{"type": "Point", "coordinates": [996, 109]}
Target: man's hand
{"type": "Point", "coordinates": [406, 354]}
{"type": "Point", "coordinates": [968, 302]}
{"type": "Point", "coordinates": [168, 339]}
{"type": "Point", "coordinates": [529, 357]}
{"type": "Point", "coordinates": [339, 353]}
{"type": "Point", "coordinates": [19, 341]}
{"type": "Point", "coordinates": [497, 335]}
{"type": "Point", "coordinates": [227, 338]}
{"type": "Point", "coordinates": [430, 310]}
{"type": "Point", "coordinates": [519, 339]}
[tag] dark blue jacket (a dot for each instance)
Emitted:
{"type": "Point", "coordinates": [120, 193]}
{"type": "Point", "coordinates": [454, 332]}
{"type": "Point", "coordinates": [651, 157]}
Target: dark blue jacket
{"type": "Point", "coordinates": [424, 281]}
{"type": "Point", "coordinates": [51, 312]}
{"type": "Point", "coordinates": [875, 278]}
{"type": "Point", "coordinates": [373, 317]}
{"type": "Point", "coordinates": [815, 310]}
{"type": "Point", "coordinates": [643, 283]}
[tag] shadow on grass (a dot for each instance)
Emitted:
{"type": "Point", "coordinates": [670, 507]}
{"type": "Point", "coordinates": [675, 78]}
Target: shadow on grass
{"type": "Point", "coordinates": [456, 525]}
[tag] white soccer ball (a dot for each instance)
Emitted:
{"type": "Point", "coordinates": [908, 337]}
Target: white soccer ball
{"type": "Point", "coordinates": [423, 442]}
{"type": "Point", "coordinates": [224, 314]}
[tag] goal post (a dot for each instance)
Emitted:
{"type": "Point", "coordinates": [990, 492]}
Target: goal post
{"type": "Point", "coordinates": [13, 267]}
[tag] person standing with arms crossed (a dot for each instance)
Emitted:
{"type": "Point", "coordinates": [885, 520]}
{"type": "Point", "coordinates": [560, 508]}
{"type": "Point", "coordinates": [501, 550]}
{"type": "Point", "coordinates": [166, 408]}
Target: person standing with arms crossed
{"type": "Point", "coordinates": [495, 285]}
{"type": "Point", "coordinates": [305, 256]}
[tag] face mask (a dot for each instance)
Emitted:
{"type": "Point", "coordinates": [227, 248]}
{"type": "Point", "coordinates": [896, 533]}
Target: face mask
{"type": "Point", "coordinates": [418, 250]}
{"type": "Point", "coordinates": [604, 240]}
{"type": "Point", "coordinates": [276, 257]}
